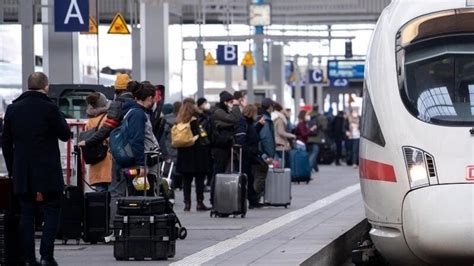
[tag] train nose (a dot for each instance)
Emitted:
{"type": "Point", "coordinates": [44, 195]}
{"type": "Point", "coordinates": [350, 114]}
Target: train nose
{"type": "Point", "coordinates": [438, 223]}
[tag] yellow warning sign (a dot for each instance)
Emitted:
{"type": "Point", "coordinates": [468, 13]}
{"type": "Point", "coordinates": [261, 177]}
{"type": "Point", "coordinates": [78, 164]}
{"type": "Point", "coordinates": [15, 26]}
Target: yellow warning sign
{"type": "Point", "coordinates": [209, 60]}
{"type": "Point", "coordinates": [248, 59]}
{"type": "Point", "coordinates": [93, 29]}
{"type": "Point", "coordinates": [118, 25]}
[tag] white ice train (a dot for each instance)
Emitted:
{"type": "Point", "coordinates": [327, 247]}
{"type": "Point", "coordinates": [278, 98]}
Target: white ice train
{"type": "Point", "coordinates": [417, 145]}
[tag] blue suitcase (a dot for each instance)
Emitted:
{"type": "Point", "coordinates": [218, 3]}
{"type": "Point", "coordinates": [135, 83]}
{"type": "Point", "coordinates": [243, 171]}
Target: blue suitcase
{"type": "Point", "coordinates": [300, 168]}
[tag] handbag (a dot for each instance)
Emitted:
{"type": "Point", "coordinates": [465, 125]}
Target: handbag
{"type": "Point", "coordinates": [93, 154]}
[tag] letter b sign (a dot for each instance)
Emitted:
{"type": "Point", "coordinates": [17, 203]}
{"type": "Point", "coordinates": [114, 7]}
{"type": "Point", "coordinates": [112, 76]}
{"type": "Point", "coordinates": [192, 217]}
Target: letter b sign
{"type": "Point", "coordinates": [227, 54]}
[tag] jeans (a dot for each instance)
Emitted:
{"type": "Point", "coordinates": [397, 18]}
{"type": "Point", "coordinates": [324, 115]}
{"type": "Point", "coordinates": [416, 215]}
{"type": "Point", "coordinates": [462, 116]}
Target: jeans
{"type": "Point", "coordinates": [354, 155]}
{"type": "Point", "coordinates": [313, 149]}
{"type": "Point", "coordinates": [187, 181]}
{"type": "Point", "coordinates": [101, 187]}
{"type": "Point", "coordinates": [118, 189]}
{"type": "Point", "coordinates": [52, 208]}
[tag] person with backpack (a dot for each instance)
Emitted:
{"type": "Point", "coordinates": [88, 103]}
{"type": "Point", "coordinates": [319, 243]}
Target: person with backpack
{"type": "Point", "coordinates": [137, 131]}
{"type": "Point", "coordinates": [224, 120]}
{"type": "Point", "coordinates": [100, 174]}
{"type": "Point", "coordinates": [192, 142]}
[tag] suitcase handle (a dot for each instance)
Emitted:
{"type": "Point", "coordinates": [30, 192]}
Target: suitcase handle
{"type": "Point", "coordinates": [281, 169]}
{"type": "Point", "coordinates": [232, 158]}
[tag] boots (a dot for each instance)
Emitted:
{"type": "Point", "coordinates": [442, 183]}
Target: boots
{"type": "Point", "coordinates": [187, 206]}
{"type": "Point", "coordinates": [200, 207]}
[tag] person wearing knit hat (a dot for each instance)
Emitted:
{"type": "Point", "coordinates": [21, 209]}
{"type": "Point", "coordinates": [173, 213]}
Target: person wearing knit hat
{"type": "Point", "coordinates": [97, 104]}
{"type": "Point", "coordinates": [225, 97]}
{"type": "Point", "coordinates": [121, 81]}
{"type": "Point", "coordinates": [100, 174]}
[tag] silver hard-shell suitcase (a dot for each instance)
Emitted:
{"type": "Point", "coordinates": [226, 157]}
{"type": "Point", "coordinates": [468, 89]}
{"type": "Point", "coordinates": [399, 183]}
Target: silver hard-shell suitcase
{"type": "Point", "coordinates": [278, 186]}
{"type": "Point", "coordinates": [230, 192]}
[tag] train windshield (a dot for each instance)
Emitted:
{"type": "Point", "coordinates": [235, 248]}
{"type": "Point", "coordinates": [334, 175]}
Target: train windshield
{"type": "Point", "coordinates": [435, 61]}
{"type": "Point", "coordinates": [440, 89]}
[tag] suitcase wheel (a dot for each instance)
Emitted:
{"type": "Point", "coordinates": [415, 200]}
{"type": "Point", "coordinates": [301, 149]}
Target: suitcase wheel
{"type": "Point", "coordinates": [286, 206]}
{"type": "Point", "coordinates": [243, 215]}
{"type": "Point", "coordinates": [182, 233]}
{"type": "Point", "coordinates": [64, 241]}
{"type": "Point", "coordinates": [119, 258]}
{"type": "Point", "coordinates": [307, 182]}
{"type": "Point", "coordinates": [211, 214]}
{"type": "Point", "coordinates": [78, 241]}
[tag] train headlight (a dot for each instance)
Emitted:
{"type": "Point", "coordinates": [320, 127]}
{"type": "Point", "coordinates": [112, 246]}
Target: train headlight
{"type": "Point", "coordinates": [420, 167]}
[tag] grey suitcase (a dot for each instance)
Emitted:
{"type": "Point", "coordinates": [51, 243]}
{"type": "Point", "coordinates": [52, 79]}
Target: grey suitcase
{"type": "Point", "coordinates": [230, 192]}
{"type": "Point", "coordinates": [278, 186]}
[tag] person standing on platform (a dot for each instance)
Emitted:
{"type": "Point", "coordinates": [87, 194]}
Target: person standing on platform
{"type": "Point", "coordinates": [241, 98]}
{"type": "Point", "coordinates": [267, 133]}
{"type": "Point", "coordinates": [33, 125]}
{"type": "Point", "coordinates": [204, 119]}
{"type": "Point", "coordinates": [317, 137]}
{"type": "Point", "coordinates": [338, 130]}
{"type": "Point", "coordinates": [282, 137]}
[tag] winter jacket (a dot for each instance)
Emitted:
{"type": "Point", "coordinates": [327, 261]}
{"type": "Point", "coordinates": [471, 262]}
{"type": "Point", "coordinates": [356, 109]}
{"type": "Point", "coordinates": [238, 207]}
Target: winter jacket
{"type": "Point", "coordinates": [194, 160]}
{"type": "Point", "coordinates": [339, 127]}
{"type": "Point", "coordinates": [32, 126]}
{"type": "Point", "coordinates": [246, 136]}
{"type": "Point", "coordinates": [100, 172]}
{"type": "Point", "coordinates": [318, 136]}
{"type": "Point", "coordinates": [282, 137]}
{"type": "Point", "coordinates": [115, 115]}
{"type": "Point", "coordinates": [137, 120]}
{"type": "Point", "coordinates": [302, 132]}
{"type": "Point", "coordinates": [267, 137]}
{"type": "Point", "coordinates": [223, 126]}
{"type": "Point", "coordinates": [165, 142]}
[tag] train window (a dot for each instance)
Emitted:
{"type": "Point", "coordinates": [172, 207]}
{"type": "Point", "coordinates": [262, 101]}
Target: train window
{"type": "Point", "coordinates": [439, 81]}
{"type": "Point", "coordinates": [370, 127]}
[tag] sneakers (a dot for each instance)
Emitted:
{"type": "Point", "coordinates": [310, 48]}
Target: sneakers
{"type": "Point", "coordinates": [109, 238]}
{"type": "Point", "coordinates": [200, 207]}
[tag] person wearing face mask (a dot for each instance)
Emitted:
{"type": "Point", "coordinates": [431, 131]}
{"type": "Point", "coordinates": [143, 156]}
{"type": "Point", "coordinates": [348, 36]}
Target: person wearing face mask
{"type": "Point", "coordinates": [224, 120]}
{"type": "Point", "coordinates": [338, 128]}
{"type": "Point", "coordinates": [302, 131]}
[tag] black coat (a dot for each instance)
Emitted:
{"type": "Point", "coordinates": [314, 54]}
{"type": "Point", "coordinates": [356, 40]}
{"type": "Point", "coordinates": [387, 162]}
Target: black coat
{"type": "Point", "coordinates": [33, 125]}
{"type": "Point", "coordinates": [194, 160]}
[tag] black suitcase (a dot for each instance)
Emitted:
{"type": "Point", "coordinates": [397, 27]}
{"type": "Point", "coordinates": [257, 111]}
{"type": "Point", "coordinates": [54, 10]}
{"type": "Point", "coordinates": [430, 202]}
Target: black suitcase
{"type": "Point", "coordinates": [141, 205]}
{"type": "Point", "coordinates": [96, 216]}
{"type": "Point", "coordinates": [70, 225]}
{"type": "Point", "coordinates": [145, 237]}
{"type": "Point", "coordinates": [11, 250]}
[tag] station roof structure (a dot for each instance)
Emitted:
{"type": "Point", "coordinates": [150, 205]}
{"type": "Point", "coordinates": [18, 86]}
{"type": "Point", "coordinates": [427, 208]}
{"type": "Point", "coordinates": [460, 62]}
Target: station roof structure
{"type": "Point", "coordinates": [284, 12]}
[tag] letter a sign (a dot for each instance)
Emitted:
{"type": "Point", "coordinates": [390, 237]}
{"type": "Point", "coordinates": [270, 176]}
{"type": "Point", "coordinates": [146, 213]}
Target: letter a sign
{"type": "Point", "coordinates": [71, 15]}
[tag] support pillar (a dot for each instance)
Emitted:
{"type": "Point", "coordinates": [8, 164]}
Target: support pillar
{"type": "Point", "coordinates": [136, 38]}
{"type": "Point", "coordinates": [60, 51]}
{"type": "Point", "coordinates": [309, 90]}
{"type": "Point", "coordinates": [320, 98]}
{"type": "Point", "coordinates": [200, 69]}
{"type": "Point", "coordinates": [259, 60]}
{"type": "Point", "coordinates": [277, 72]}
{"type": "Point", "coordinates": [228, 78]}
{"type": "Point", "coordinates": [250, 88]}
{"type": "Point", "coordinates": [27, 40]}
{"type": "Point", "coordinates": [297, 86]}
{"type": "Point", "coordinates": [154, 21]}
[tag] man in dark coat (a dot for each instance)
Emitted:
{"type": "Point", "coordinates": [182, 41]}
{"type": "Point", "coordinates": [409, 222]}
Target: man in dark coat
{"type": "Point", "coordinates": [338, 130]}
{"type": "Point", "coordinates": [33, 125]}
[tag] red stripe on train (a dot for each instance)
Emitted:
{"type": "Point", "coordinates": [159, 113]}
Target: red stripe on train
{"type": "Point", "coordinates": [376, 171]}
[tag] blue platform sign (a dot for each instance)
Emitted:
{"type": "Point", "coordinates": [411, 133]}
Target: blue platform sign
{"type": "Point", "coordinates": [346, 69]}
{"type": "Point", "coordinates": [339, 83]}
{"type": "Point", "coordinates": [71, 15]}
{"type": "Point", "coordinates": [315, 76]}
{"type": "Point", "coordinates": [227, 55]}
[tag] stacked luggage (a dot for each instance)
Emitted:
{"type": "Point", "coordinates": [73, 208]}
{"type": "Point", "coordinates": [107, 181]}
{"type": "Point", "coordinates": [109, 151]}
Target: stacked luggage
{"type": "Point", "coordinates": [278, 186]}
{"type": "Point", "coordinates": [230, 194]}
{"type": "Point", "coordinates": [146, 228]}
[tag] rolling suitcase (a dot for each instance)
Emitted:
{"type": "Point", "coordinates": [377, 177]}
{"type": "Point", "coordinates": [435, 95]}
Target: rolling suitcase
{"type": "Point", "coordinates": [299, 165]}
{"type": "Point", "coordinates": [72, 204]}
{"type": "Point", "coordinates": [230, 192]}
{"type": "Point", "coordinates": [278, 186]}
{"type": "Point", "coordinates": [96, 216]}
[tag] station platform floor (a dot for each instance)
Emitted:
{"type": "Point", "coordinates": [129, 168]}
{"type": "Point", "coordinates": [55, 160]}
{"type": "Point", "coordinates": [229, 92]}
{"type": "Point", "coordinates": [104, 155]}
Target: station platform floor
{"type": "Point", "coordinates": [320, 212]}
